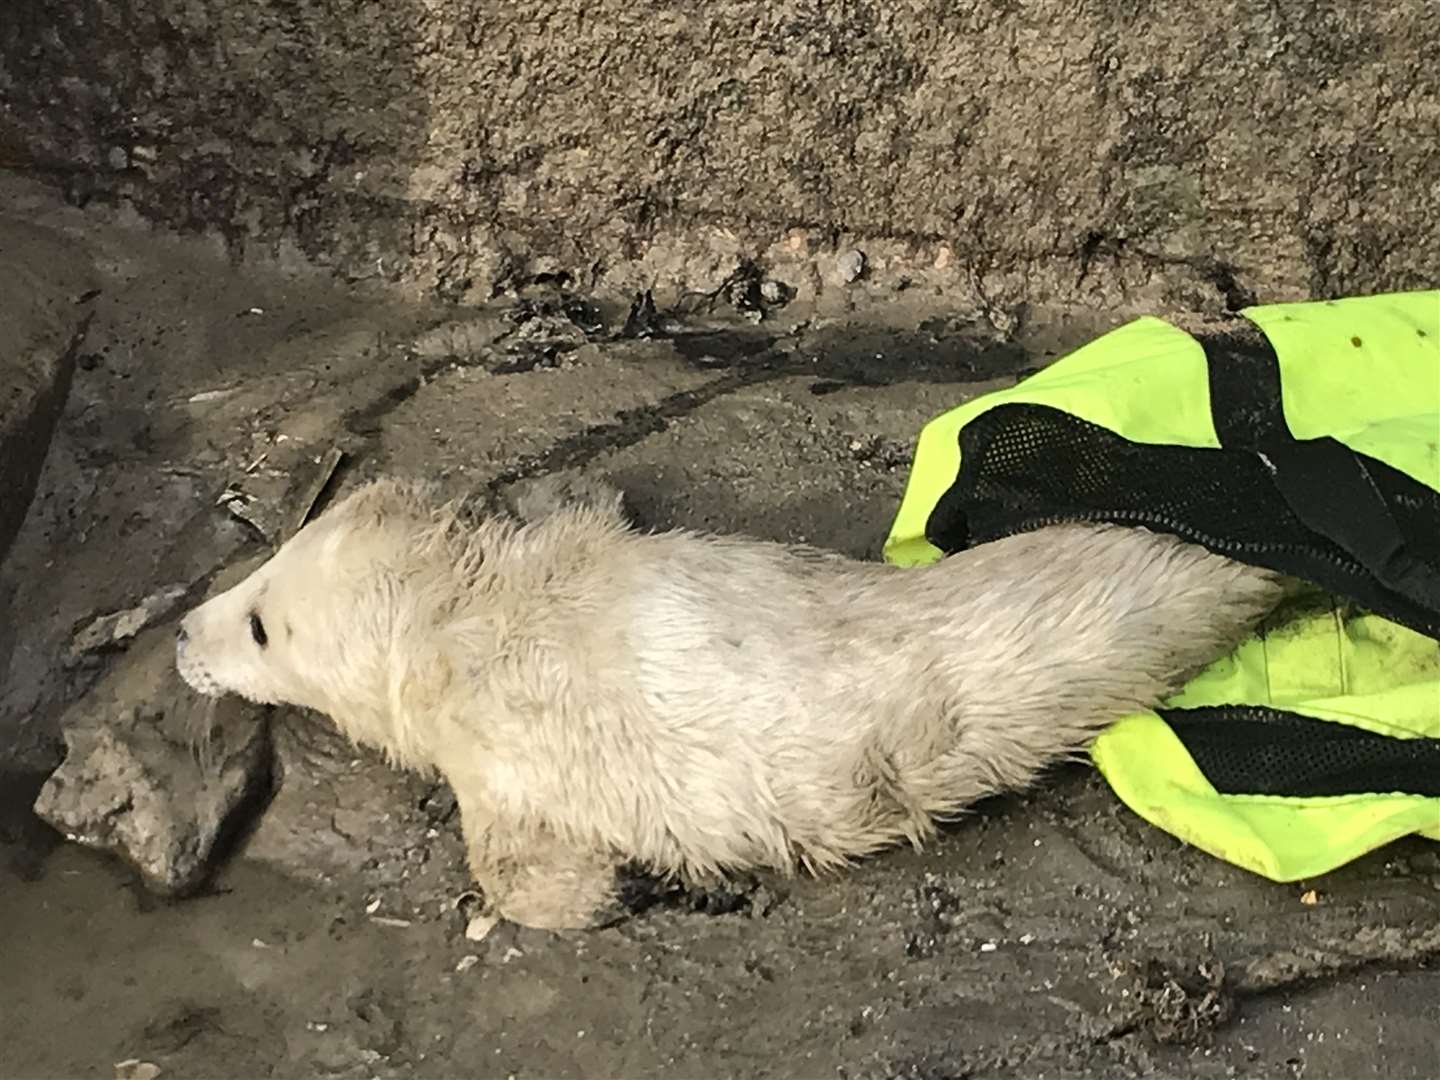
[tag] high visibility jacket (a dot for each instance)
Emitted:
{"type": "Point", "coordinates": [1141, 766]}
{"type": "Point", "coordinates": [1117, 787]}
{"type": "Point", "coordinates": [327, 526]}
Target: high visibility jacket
{"type": "Point", "coordinates": [1305, 439]}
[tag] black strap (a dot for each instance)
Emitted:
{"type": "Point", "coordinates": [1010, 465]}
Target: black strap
{"type": "Point", "coordinates": [1328, 486]}
{"type": "Point", "coordinates": [1248, 750]}
{"type": "Point", "coordinates": [1330, 489]}
{"type": "Point", "coordinates": [1244, 375]}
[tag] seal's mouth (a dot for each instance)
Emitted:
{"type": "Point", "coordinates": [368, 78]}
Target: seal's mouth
{"type": "Point", "coordinates": [195, 674]}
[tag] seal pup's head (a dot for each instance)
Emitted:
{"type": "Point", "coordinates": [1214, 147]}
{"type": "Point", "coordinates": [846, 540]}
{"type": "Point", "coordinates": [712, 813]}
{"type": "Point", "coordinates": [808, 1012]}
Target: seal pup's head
{"type": "Point", "coordinates": [317, 625]}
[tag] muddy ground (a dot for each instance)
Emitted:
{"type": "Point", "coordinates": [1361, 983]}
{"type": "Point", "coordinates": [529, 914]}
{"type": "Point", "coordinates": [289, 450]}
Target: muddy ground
{"type": "Point", "coordinates": [1049, 935]}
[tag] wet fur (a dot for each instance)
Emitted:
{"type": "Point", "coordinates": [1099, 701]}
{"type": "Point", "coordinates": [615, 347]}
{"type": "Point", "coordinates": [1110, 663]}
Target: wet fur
{"type": "Point", "coordinates": [699, 704]}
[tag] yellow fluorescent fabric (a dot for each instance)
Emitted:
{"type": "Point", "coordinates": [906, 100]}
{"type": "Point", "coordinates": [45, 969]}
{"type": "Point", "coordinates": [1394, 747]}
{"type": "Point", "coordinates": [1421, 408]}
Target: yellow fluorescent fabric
{"type": "Point", "coordinates": [1146, 380]}
{"type": "Point", "coordinates": [1359, 670]}
{"type": "Point", "coordinates": [1365, 371]}
{"type": "Point", "coordinates": [1354, 667]}
{"type": "Point", "coordinates": [1281, 838]}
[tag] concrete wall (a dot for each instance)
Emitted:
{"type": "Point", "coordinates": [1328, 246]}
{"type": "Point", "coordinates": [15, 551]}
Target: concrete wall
{"type": "Point", "coordinates": [1065, 149]}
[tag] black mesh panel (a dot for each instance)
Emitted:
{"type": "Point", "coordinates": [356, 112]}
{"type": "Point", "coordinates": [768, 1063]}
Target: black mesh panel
{"type": "Point", "coordinates": [1255, 751]}
{"type": "Point", "coordinates": [1025, 466]}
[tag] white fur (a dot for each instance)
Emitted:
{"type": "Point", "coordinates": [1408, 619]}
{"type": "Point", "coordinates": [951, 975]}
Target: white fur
{"type": "Point", "coordinates": [595, 694]}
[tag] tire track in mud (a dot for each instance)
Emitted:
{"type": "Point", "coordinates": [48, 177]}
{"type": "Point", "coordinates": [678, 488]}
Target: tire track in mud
{"type": "Point", "coordinates": [1187, 1004]}
{"type": "Point", "coordinates": [745, 359]}
{"type": "Point", "coordinates": [1330, 962]}
{"type": "Point", "coordinates": [630, 426]}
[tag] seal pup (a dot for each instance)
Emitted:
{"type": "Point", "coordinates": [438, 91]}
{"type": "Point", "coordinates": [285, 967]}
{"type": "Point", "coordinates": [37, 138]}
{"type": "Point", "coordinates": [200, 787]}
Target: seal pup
{"type": "Point", "coordinates": [598, 696]}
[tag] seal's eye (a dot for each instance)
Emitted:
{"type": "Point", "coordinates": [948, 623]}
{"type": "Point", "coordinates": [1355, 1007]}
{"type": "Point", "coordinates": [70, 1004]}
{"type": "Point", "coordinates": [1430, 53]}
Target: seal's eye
{"type": "Point", "coordinates": [257, 630]}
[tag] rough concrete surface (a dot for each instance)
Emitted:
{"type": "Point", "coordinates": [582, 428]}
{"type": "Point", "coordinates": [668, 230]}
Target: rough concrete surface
{"type": "Point", "coordinates": [1047, 935]}
{"type": "Point", "coordinates": [1093, 150]}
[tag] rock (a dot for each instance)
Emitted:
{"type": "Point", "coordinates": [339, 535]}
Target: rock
{"type": "Point", "coordinates": [107, 631]}
{"type": "Point", "coordinates": [277, 500]}
{"type": "Point", "coordinates": [314, 482]}
{"type": "Point", "coordinates": [155, 773]}
{"type": "Point", "coordinates": [546, 331]}
{"type": "Point", "coordinates": [850, 266]}
{"type": "Point", "coordinates": [478, 927]}
{"type": "Point", "coordinates": [43, 317]}
{"type": "Point", "coordinates": [775, 292]}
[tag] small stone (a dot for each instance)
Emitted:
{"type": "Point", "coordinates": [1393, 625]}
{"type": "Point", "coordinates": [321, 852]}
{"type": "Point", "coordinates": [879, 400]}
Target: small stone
{"type": "Point", "coordinates": [479, 926]}
{"type": "Point", "coordinates": [210, 395]}
{"type": "Point", "coordinates": [1309, 898]}
{"type": "Point", "coordinates": [850, 266]}
{"type": "Point", "coordinates": [135, 1069]}
{"type": "Point", "coordinates": [466, 963]}
{"type": "Point", "coordinates": [1026, 939]}
{"type": "Point", "coordinates": [987, 946]}
{"type": "Point", "coordinates": [773, 292]}
{"type": "Point", "coordinates": [1002, 320]}
{"type": "Point", "coordinates": [117, 158]}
